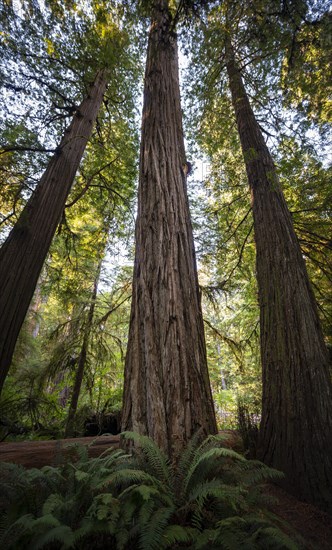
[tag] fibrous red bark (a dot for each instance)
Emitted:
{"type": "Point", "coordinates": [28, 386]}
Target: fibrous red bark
{"type": "Point", "coordinates": [167, 393]}
{"type": "Point", "coordinates": [296, 425]}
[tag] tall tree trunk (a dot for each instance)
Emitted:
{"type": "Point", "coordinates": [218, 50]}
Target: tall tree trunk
{"type": "Point", "coordinates": [167, 393]}
{"type": "Point", "coordinates": [23, 254]}
{"type": "Point", "coordinates": [296, 426]}
{"type": "Point", "coordinates": [82, 359]}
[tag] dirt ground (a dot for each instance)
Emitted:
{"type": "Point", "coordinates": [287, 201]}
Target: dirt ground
{"type": "Point", "coordinates": [314, 526]}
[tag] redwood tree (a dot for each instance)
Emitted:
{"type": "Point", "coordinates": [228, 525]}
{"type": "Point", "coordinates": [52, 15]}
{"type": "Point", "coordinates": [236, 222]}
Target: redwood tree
{"type": "Point", "coordinates": [167, 392]}
{"type": "Point", "coordinates": [23, 253]}
{"type": "Point", "coordinates": [296, 425]}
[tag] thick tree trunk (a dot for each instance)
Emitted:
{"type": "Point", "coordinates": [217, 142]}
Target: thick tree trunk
{"type": "Point", "coordinates": [82, 360]}
{"type": "Point", "coordinates": [23, 254]}
{"type": "Point", "coordinates": [296, 426]}
{"type": "Point", "coordinates": [167, 393]}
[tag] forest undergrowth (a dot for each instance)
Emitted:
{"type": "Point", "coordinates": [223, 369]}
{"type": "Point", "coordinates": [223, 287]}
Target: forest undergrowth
{"type": "Point", "coordinates": [212, 497]}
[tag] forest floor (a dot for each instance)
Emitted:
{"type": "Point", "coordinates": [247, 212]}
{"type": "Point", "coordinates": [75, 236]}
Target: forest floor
{"type": "Point", "coordinates": [314, 526]}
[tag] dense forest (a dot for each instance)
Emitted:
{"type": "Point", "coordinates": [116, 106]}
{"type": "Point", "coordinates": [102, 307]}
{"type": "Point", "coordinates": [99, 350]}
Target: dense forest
{"type": "Point", "coordinates": [165, 267]}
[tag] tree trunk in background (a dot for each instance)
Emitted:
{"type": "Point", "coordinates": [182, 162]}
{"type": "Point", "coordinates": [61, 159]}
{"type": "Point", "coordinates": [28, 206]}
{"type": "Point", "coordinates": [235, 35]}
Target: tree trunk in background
{"type": "Point", "coordinates": [296, 426]}
{"type": "Point", "coordinates": [82, 360]}
{"type": "Point", "coordinates": [32, 319]}
{"type": "Point", "coordinates": [23, 254]}
{"type": "Point", "coordinates": [167, 393]}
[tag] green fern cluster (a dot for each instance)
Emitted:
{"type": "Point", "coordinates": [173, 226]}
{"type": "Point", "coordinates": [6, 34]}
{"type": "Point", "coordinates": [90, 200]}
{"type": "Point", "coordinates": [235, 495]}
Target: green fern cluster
{"type": "Point", "coordinates": [53, 505]}
{"type": "Point", "coordinates": [211, 499]}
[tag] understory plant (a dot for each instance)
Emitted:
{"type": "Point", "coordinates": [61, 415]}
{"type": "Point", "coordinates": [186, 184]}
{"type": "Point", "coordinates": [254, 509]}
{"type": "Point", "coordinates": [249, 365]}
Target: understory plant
{"type": "Point", "coordinates": [211, 498]}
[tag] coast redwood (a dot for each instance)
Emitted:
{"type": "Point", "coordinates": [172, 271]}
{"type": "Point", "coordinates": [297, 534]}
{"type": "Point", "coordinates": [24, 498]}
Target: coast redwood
{"type": "Point", "coordinates": [167, 393]}
{"type": "Point", "coordinates": [23, 253]}
{"type": "Point", "coordinates": [296, 425]}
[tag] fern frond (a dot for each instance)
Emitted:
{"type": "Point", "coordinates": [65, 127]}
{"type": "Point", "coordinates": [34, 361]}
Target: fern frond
{"type": "Point", "coordinates": [80, 475]}
{"type": "Point", "coordinates": [140, 501]}
{"type": "Point", "coordinates": [104, 506]}
{"type": "Point", "coordinates": [127, 527]}
{"type": "Point", "coordinates": [107, 461]}
{"type": "Point", "coordinates": [272, 538]}
{"type": "Point", "coordinates": [62, 534]}
{"type": "Point", "coordinates": [205, 462]}
{"type": "Point", "coordinates": [126, 477]}
{"type": "Point", "coordinates": [46, 521]}
{"type": "Point", "coordinates": [156, 460]}
{"type": "Point", "coordinates": [13, 534]}
{"type": "Point", "coordinates": [205, 540]}
{"type": "Point", "coordinates": [213, 440]}
{"type": "Point", "coordinates": [253, 472]}
{"type": "Point", "coordinates": [113, 453]}
{"type": "Point", "coordinates": [231, 496]}
{"type": "Point", "coordinates": [88, 526]}
{"type": "Point", "coordinates": [187, 456]}
{"type": "Point", "coordinates": [177, 534]}
{"type": "Point", "coordinates": [252, 532]}
{"type": "Point", "coordinates": [146, 492]}
{"type": "Point", "coordinates": [152, 531]}
{"type": "Point", "coordinates": [122, 536]}
{"type": "Point", "coordinates": [52, 472]}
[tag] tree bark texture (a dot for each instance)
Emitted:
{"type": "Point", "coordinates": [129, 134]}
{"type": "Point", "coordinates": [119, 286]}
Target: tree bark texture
{"type": "Point", "coordinates": [23, 254]}
{"type": "Point", "coordinates": [167, 393]}
{"type": "Point", "coordinates": [81, 363]}
{"type": "Point", "coordinates": [296, 425]}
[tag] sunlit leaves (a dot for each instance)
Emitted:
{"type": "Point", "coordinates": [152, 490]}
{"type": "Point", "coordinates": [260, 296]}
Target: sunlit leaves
{"type": "Point", "coordinates": [307, 73]}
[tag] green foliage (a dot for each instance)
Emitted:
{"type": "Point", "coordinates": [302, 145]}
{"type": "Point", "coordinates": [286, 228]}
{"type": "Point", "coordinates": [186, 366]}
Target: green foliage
{"type": "Point", "coordinates": [59, 504]}
{"type": "Point", "coordinates": [43, 77]}
{"type": "Point", "coordinates": [212, 498]}
{"type": "Point", "coordinates": [307, 184]}
{"type": "Point", "coordinates": [306, 74]}
{"type": "Point", "coordinates": [36, 396]}
{"type": "Point", "coordinates": [47, 74]}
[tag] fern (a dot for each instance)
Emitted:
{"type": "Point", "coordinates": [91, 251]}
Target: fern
{"type": "Point", "coordinates": [204, 463]}
{"type": "Point", "coordinates": [211, 499]}
{"type": "Point", "coordinates": [253, 472]}
{"type": "Point", "coordinates": [127, 477]}
{"type": "Point", "coordinates": [272, 538]}
{"type": "Point", "coordinates": [153, 530]}
{"type": "Point", "coordinates": [252, 533]}
{"type": "Point", "coordinates": [155, 459]}
{"type": "Point", "coordinates": [14, 532]}
{"type": "Point", "coordinates": [58, 500]}
{"type": "Point", "coordinates": [62, 534]}
{"type": "Point", "coordinates": [52, 503]}
{"type": "Point", "coordinates": [206, 540]}
{"type": "Point", "coordinates": [233, 497]}
{"type": "Point", "coordinates": [177, 535]}
{"type": "Point", "coordinates": [104, 507]}
{"type": "Point", "coordinates": [187, 456]}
